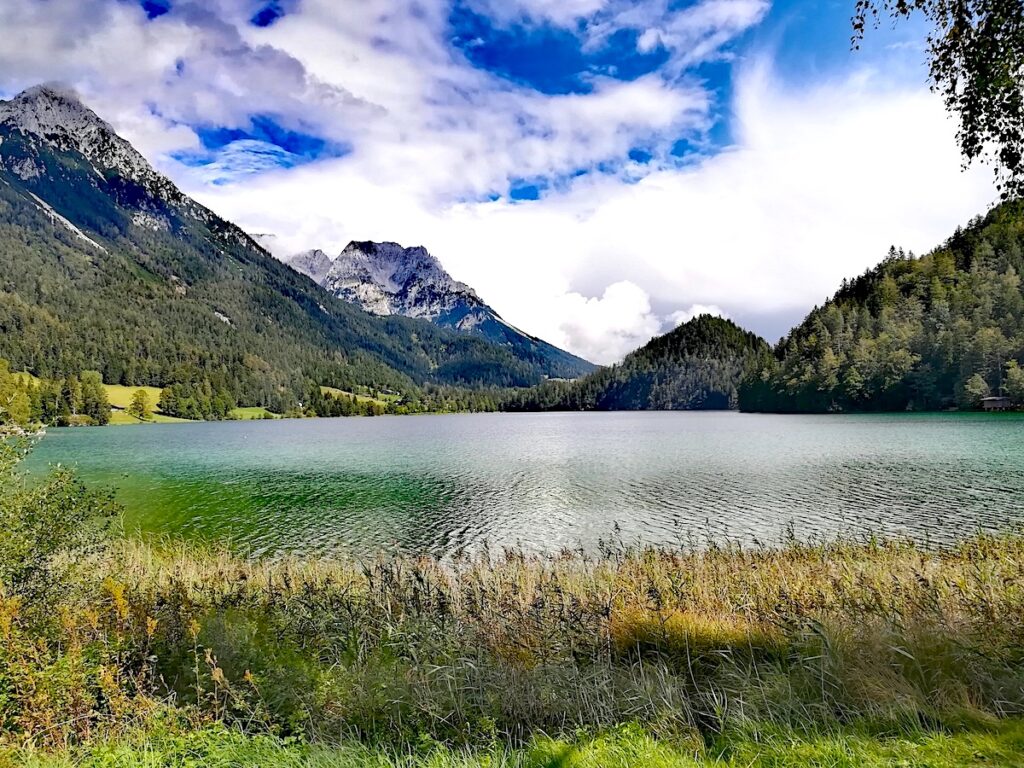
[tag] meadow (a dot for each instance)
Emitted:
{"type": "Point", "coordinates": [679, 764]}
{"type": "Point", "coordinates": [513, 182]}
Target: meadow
{"type": "Point", "coordinates": [117, 652]}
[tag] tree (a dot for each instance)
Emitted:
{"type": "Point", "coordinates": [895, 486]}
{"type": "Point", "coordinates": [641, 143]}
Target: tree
{"type": "Point", "coordinates": [976, 62]}
{"type": "Point", "coordinates": [15, 404]}
{"type": "Point", "coordinates": [46, 527]}
{"type": "Point", "coordinates": [975, 388]}
{"type": "Point", "coordinates": [95, 404]}
{"type": "Point", "coordinates": [168, 401]}
{"type": "Point", "coordinates": [139, 406]}
{"type": "Point", "coordinates": [1014, 382]}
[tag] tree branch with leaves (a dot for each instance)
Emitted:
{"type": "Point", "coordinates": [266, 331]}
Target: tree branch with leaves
{"type": "Point", "coordinates": [976, 63]}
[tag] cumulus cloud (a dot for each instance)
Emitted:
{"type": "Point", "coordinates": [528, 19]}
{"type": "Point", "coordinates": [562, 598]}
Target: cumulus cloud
{"type": "Point", "coordinates": [156, 80]}
{"type": "Point", "coordinates": [603, 329]}
{"type": "Point", "coordinates": [817, 181]}
{"type": "Point", "coordinates": [815, 189]}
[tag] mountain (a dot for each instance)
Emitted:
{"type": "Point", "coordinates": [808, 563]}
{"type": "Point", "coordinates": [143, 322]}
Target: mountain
{"type": "Point", "coordinates": [314, 264]}
{"type": "Point", "coordinates": [933, 332]}
{"type": "Point", "coordinates": [387, 279]}
{"type": "Point", "coordinates": [106, 265]}
{"type": "Point", "coordinates": [697, 366]}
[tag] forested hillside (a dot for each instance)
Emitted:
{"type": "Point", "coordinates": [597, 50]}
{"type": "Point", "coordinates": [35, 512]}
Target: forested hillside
{"type": "Point", "coordinates": [106, 266]}
{"type": "Point", "coordinates": [935, 332]}
{"type": "Point", "coordinates": [698, 366]}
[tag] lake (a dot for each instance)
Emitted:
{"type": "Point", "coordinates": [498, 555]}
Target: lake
{"type": "Point", "coordinates": [440, 484]}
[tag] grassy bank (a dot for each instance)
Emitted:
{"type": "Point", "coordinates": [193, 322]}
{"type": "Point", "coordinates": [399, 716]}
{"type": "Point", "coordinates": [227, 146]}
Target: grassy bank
{"type": "Point", "coordinates": [628, 746]}
{"type": "Point", "coordinates": [690, 646]}
{"type": "Point", "coordinates": [114, 652]}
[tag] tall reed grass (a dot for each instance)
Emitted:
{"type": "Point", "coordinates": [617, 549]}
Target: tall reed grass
{"type": "Point", "coordinates": [399, 652]}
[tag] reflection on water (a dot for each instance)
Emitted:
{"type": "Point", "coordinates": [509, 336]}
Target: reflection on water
{"type": "Point", "coordinates": [543, 481]}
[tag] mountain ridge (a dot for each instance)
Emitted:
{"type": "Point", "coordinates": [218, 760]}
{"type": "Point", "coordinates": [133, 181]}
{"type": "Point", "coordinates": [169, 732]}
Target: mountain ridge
{"type": "Point", "coordinates": [108, 266]}
{"type": "Point", "coordinates": [385, 278]}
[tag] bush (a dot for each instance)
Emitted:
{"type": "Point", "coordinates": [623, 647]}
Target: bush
{"type": "Point", "coordinates": [45, 525]}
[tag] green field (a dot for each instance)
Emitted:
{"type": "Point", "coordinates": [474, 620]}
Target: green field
{"type": "Point", "coordinates": [120, 397]}
{"type": "Point", "coordinates": [121, 418]}
{"type": "Point", "coordinates": [382, 400]}
{"type": "Point", "coordinates": [250, 412]}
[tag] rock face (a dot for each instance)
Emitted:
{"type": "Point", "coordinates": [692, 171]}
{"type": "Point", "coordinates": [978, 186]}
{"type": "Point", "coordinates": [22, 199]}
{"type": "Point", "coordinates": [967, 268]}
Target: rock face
{"type": "Point", "coordinates": [387, 279]}
{"type": "Point", "coordinates": [46, 119]}
{"type": "Point", "coordinates": [58, 116]}
{"type": "Point", "coordinates": [315, 263]}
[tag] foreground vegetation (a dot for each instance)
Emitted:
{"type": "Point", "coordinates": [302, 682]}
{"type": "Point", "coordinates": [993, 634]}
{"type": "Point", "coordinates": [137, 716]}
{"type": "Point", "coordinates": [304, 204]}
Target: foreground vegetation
{"type": "Point", "coordinates": [123, 653]}
{"type": "Point", "coordinates": [628, 746]}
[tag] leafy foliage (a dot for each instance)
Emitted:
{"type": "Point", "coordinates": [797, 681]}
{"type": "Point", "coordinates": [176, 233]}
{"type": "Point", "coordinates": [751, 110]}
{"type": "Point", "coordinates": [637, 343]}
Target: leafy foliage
{"type": "Point", "coordinates": [698, 366]}
{"type": "Point", "coordinates": [25, 400]}
{"type": "Point", "coordinates": [935, 332]}
{"type": "Point", "coordinates": [15, 403]}
{"type": "Point", "coordinates": [976, 59]}
{"type": "Point", "coordinates": [139, 405]}
{"type": "Point", "coordinates": [45, 526]}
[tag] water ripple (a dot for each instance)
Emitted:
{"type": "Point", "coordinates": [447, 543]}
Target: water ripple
{"type": "Point", "coordinates": [545, 481]}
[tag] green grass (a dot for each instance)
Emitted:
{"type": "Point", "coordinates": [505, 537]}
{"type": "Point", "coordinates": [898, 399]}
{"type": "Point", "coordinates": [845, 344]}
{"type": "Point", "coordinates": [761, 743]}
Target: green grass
{"type": "Point", "coordinates": [629, 746]}
{"type": "Point", "coordinates": [246, 413]}
{"type": "Point", "coordinates": [121, 418]}
{"type": "Point", "coordinates": [120, 396]}
{"type": "Point", "coordinates": [382, 400]}
{"type": "Point", "coordinates": [803, 639]}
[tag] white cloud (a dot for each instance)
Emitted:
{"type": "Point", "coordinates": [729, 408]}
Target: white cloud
{"type": "Point", "coordinates": [816, 188]}
{"type": "Point", "coordinates": [681, 316]}
{"type": "Point", "coordinates": [819, 181]}
{"type": "Point", "coordinates": [559, 12]}
{"type": "Point", "coordinates": [604, 329]}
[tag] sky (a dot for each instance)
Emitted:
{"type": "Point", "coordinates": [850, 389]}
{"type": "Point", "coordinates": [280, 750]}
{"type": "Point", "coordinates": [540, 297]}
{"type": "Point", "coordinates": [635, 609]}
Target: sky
{"type": "Point", "coordinates": [598, 170]}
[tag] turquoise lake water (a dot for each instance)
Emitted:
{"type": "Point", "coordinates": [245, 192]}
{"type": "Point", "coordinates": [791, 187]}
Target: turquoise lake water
{"type": "Point", "coordinates": [439, 484]}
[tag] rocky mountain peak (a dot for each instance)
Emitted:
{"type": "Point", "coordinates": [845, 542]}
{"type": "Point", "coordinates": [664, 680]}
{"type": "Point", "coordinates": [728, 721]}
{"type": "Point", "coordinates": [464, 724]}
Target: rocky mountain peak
{"type": "Point", "coordinates": [387, 279]}
{"type": "Point", "coordinates": [57, 115]}
{"type": "Point", "coordinates": [314, 263]}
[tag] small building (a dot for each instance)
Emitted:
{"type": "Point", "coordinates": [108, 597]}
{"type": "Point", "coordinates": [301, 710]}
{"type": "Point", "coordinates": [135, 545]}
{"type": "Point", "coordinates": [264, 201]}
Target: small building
{"type": "Point", "coordinates": [995, 403]}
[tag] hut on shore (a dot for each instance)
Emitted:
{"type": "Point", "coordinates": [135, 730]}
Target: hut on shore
{"type": "Point", "coordinates": [995, 403]}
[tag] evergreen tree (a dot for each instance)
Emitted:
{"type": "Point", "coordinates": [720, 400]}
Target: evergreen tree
{"type": "Point", "coordinates": [95, 404]}
{"type": "Point", "coordinates": [698, 366]}
{"type": "Point", "coordinates": [915, 333]}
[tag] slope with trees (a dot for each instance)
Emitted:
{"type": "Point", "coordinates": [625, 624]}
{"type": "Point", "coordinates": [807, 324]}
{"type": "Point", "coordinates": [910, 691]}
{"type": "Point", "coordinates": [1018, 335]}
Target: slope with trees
{"type": "Point", "coordinates": [698, 366]}
{"type": "Point", "coordinates": [936, 332]}
{"type": "Point", "coordinates": [106, 266]}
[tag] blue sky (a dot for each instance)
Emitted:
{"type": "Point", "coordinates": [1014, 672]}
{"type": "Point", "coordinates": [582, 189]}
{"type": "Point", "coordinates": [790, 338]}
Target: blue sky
{"type": "Point", "coordinates": [598, 170]}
